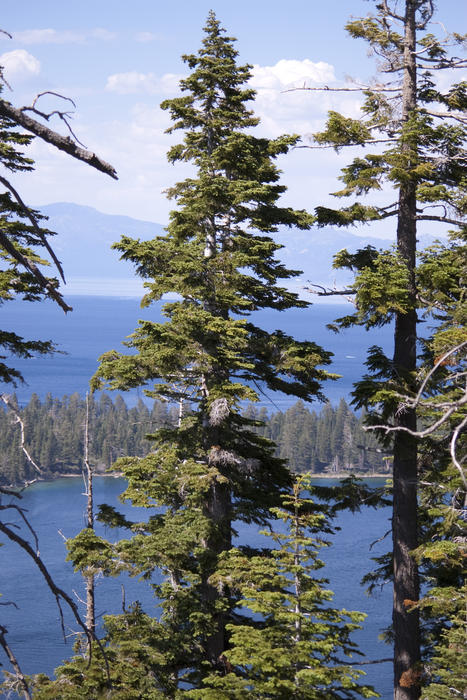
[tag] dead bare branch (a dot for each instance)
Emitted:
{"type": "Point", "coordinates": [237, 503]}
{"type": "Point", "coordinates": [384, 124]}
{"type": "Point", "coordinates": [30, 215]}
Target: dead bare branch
{"type": "Point", "coordinates": [63, 143]}
{"type": "Point", "coordinates": [14, 662]}
{"type": "Point", "coordinates": [64, 116]}
{"type": "Point", "coordinates": [6, 400]}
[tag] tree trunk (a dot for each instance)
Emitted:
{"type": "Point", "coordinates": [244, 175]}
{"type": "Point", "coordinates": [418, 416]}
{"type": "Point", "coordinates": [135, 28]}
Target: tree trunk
{"type": "Point", "coordinates": [404, 531]}
{"type": "Point", "coordinates": [90, 583]}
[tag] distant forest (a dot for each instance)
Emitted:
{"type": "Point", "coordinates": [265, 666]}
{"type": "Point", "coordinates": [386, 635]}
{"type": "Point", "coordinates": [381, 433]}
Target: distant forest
{"type": "Point", "coordinates": [328, 441]}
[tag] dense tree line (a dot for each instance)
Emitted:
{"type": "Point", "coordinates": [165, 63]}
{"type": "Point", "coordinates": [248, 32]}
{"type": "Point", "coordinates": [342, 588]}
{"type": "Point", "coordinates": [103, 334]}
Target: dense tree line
{"type": "Point", "coordinates": [329, 440]}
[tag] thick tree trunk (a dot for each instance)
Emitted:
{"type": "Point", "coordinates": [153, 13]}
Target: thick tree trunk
{"type": "Point", "coordinates": [218, 508]}
{"type": "Point", "coordinates": [218, 505]}
{"type": "Point", "coordinates": [404, 531]}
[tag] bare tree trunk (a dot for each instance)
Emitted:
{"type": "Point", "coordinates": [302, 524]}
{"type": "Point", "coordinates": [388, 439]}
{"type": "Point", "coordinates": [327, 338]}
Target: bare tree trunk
{"type": "Point", "coordinates": [90, 584]}
{"type": "Point", "coordinates": [405, 526]}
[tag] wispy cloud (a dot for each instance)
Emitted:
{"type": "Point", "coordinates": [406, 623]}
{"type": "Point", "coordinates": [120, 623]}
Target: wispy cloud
{"type": "Point", "coordinates": [53, 36]}
{"type": "Point", "coordinates": [145, 37]}
{"type": "Point", "coordinates": [19, 65]}
{"type": "Point", "coordinates": [134, 83]}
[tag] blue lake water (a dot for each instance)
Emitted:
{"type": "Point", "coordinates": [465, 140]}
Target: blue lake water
{"type": "Point", "coordinates": [57, 510]}
{"type": "Point", "coordinates": [98, 324]}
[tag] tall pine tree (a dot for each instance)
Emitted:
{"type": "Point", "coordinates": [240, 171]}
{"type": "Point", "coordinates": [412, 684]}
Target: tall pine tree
{"type": "Point", "coordinates": [213, 468]}
{"type": "Point", "coordinates": [419, 131]}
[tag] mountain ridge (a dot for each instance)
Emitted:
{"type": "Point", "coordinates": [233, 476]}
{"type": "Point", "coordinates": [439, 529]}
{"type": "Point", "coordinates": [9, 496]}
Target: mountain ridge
{"type": "Point", "coordinates": [85, 236]}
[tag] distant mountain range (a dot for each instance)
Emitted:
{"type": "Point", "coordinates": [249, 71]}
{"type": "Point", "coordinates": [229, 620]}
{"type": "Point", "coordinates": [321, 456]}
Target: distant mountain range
{"type": "Point", "coordinates": [85, 236]}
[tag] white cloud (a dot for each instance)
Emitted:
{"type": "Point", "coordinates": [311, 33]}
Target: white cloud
{"type": "Point", "coordinates": [133, 83]}
{"type": "Point", "coordinates": [292, 73]}
{"type": "Point", "coordinates": [297, 111]}
{"type": "Point", "coordinates": [19, 64]}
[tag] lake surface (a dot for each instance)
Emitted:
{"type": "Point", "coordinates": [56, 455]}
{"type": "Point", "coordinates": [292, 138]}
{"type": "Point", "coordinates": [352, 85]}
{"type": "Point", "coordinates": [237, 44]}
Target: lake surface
{"type": "Point", "coordinates": [57, 510]}
{"type": "Point", "coordinates": [98, 324]}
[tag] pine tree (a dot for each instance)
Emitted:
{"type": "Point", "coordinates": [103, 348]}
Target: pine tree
{"type": "Point", "coordinates": [212, 468]}
{"type": "Point", "coordinates": [297, 651]}
{"type": "Point", "coordinates": [420, 132]}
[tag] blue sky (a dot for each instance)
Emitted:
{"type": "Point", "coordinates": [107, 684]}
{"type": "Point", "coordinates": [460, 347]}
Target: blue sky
{"type": "Point", "coordinates": [118, 60]}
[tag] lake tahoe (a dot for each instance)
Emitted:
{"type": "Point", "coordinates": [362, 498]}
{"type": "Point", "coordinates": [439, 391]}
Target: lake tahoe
{"type": "Point", "coordinates": [98, 324]}
{"type": "Point", "coordinates": [56, 510]}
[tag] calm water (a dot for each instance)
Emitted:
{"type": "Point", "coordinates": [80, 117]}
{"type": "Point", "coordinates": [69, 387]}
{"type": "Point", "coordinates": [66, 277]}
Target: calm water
{"type": "Point", "coordinates": [98, 324]}
{"type": "Point", "coordinates": [57, 510]}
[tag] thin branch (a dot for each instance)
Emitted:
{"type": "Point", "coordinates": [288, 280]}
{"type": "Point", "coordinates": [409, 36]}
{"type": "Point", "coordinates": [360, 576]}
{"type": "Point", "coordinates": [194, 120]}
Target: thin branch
{"type": "Point", "coordinates": [21, 512]}
{"type": "Point", "coordinates": [447, 115]}
{"type": "Point", "coordinates": [443, 64]}
{"type": "Point", "coordinates": [380, 539]}
{"type": "Point", "coordinates": [452, 449]}
{"type": "Point", "coordinates": [6, 400]}
{"type": "Point", "coordinates": [28, 213]}
{"type": "Point", "coordinates": [63, 143]}
{"type": "Point", "coordinates": [14, 662]}
{"type": "Point", "coordinates": [34, 270]}
{"type": "Point", "coordinates": [390, 13]}
{"type": "Point", "coordinates": [64, 116]}
{"type": "Point", "coordinates": [326, 88]}
{"type": "Point", "coordinates": [442, 219]}
{"type": "Point", "coordinates": [366, 663]}
{"type": "Point", "coordinates": [327, 292]}
{"type": "Point", "coordinates": [348, 145]}
{"type": "Point", "coordinates": [440, 362]}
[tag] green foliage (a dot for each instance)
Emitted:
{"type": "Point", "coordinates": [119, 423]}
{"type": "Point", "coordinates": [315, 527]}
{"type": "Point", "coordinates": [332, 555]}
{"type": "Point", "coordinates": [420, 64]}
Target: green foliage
{"type": "Point", "coordinates": [54, 435]}
{"type": "Point", "coordinates": [215, 465]}
{"type": "Point", "coordinates": [20, 238]}
{"type": "Point", "coordinates": [414, 133]}
{"type": "Point", "coordinates": [292, 642]}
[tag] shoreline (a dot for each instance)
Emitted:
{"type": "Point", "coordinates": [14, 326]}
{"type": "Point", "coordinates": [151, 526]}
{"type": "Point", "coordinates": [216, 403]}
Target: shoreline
{"type": "Point", "coordinates": [119, 475]}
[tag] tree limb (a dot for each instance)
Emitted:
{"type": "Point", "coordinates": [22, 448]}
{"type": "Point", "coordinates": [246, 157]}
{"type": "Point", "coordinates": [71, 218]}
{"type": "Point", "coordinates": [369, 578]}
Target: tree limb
{"type": "Point", "coordinates": [14, 662]}
{"type": "Point", "coordinates": [28, 213]}
{"type": "Point", "coordinates": [6, 400]}
{"type": "Point", "coordinates": [63, 143]}
{"type": "Point", "coordinates": [32, 267]}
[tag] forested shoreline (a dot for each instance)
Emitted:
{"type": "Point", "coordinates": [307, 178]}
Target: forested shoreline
{"type": "Point", "coordinates": [326, 440]}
